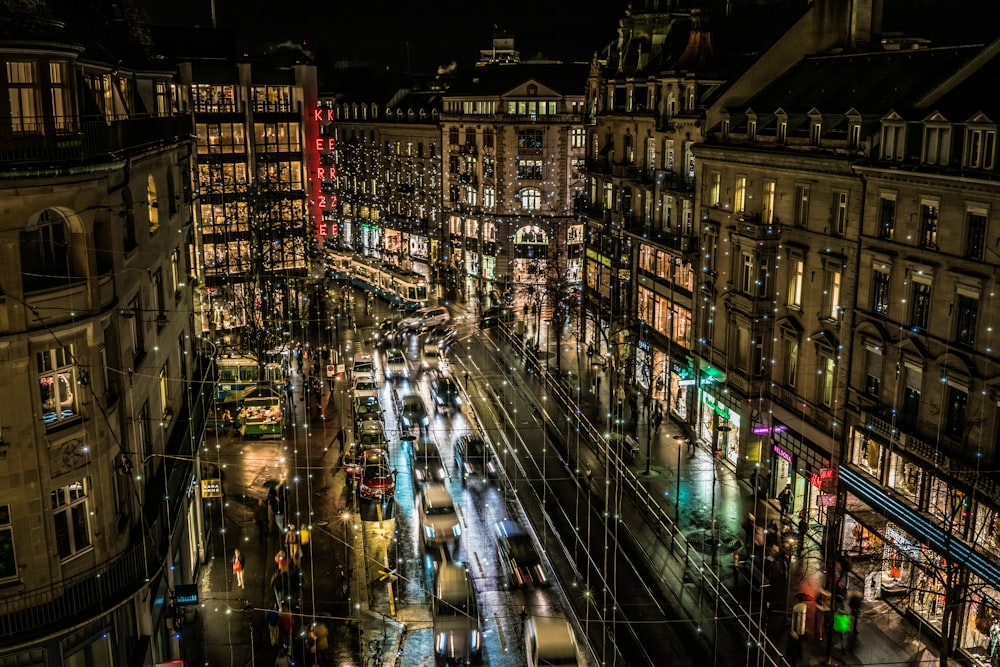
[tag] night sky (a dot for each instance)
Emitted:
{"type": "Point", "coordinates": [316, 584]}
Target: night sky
{"type": "Point", "coordinates": [432, 33]}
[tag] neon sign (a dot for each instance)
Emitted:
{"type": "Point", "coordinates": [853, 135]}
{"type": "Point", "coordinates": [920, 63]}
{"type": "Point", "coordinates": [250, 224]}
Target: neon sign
{"type": "Point", "coordinates": [322, 173]}
{"type": "Point", "coordinates": [782, 453]}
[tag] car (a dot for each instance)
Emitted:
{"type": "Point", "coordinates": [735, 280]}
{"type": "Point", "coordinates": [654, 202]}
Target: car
{"type": "Point", "coordinates": [439, 525]}
{"type": "Point", "coordinates": [495, 315]}
{"type": "Point", "coordinates": [519, 560]}
{"type": "Point", "coordinates": [363, 365]}
{"type": "Point", "coordinates": [413, 412]}
{"type": "Point", "coordinates": [425, 318]}
{"type": "Point", "coordinates": [364, 387]}
{"type": "Point", "coordinates": [474, 459]}
{"type": "Point", "coordinates": [446, 396]}
{"type": "Point", "coordinates": [549, 640]}
{"type": "Point", "coordinates": [442, 334]}
{"type": "Point", "coordinates": [458, 639]}
{"type": "Point", "coordinates": [377, 478]}
{"type": "Point", "coordinates": [370, 435]}
{"type": "Point", "coordinates": [367, 409]}
{"type": "Point", "coordinates": [395, 365]}
{"type": "Point", "coordinates": [426, 462]}
{"type": "Point", "coordinates": [430, 359]}
{"type": "Point", "coordinates": [386, 334]}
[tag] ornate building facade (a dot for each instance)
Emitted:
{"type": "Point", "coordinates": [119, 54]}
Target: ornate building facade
{"type": "Point", "coordinates": [99, 519]}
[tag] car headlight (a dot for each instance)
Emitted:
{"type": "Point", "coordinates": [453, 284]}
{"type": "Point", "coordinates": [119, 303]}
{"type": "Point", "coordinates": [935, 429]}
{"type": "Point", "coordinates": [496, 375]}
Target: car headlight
{"type": "Point", "coordinates": [475, 642]}
{"type": "Point", "coordinates": [456, 530]}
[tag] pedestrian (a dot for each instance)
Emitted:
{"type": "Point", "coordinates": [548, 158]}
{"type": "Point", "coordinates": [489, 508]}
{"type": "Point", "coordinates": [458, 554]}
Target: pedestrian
{"type": "Point", "coordinates": [227, 421]}
{"type": "Point", "coordinates": [322, 643]}
{"type": "Point", "coordinates": [286, 624]}
{"type": "Point", "coordinates": [239, 563]}
{"type": "Point", "coordinates": [305, 535]}
{"type": "Point", "coordinates": [283, 562]}
{"type": "Point", "coordinates": [994, 638]}
{"type": "Point", "coordinates": [855, 604]}
{"type": "Point", "coordinates": [657, 420]}
{"type": "Point", "coordinates": [785, 499]}
{"type": "Point", "coordinates": [341, 439]}
{"type": "Point", "coordinates": [466, 380]}
{"type": "Point", "coordinates": [271, 616]}
{"type": "Point", "coordinates": [292, 545]}
{"type": "Point", "coordinates": [260, 517]}
{"type": "Point", "coordinates": [748, 530]}
{"type": "Point", "coordinates": [283, 659]}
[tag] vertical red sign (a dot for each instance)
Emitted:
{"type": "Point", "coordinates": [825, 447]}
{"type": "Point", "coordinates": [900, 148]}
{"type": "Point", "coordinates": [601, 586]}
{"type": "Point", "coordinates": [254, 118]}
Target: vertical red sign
{"type": "Point", "coordinates": [322, 172]}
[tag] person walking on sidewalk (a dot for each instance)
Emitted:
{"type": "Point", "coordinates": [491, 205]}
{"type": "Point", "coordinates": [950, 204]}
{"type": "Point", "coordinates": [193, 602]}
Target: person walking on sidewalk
{"type": "Point", "coordinates": [286, 625]}
{"type": "Point", "coordinates": [239, 563]}
{"type": "Point", "coordinates": [292, 545]}
{"type": "Point", "coordinates": [271, 617]}
{"type": "Point", "coordinates": [785, 499]}
{"type": "Point", "coordinates": [283, 659]}
{"type": "Point", "coordinates": [748, 531]}
{"type": "Point", "coordinates": [283, 562]}
{"type": "Point", "coordinates": [341, 440]}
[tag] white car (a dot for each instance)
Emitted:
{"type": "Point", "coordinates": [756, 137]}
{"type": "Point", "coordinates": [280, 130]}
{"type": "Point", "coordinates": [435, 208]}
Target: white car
{"type": "Point", "coordinates": [365, 387]}
{"type": "Point", "coordinates": [395, 365]}
{"type": "Point", "coordinates": [425, 318]}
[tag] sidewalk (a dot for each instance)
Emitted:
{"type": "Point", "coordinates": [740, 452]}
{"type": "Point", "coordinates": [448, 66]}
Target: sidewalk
{"type": "Point", "coordinates": [710, 490]}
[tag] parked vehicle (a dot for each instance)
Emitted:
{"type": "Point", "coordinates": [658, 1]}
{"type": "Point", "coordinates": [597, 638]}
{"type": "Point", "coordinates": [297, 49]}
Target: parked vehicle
{"type": "Point", "coordinates": [363, 364]}
{"type": "Point", "coordinates": [370, 435]}
{"type": "Point", "coordinates": [377, 479]}
{"type": "Point", "coordinates": [446, 395]}
{"type": "Point", "coordinates": [364, 387]}
{"type": "Point", "coordinates": [439, 525]}
{"type": "Point", "coordinates": [474, 459]}
{"type": "Point", "coordinates": [519, 560]}
{"type": "Point", "coordinates": [457, 637]}
{"type": "Point", "coordinates": [367, 409]}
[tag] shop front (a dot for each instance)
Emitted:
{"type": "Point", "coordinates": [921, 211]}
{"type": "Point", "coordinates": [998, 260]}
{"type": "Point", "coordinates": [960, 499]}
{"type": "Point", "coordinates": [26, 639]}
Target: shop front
{"type": "Point", "coordinates": [671, 378]}
{"type": "Point", "coordinates": [918, 564]}
{"type": "Point", "coordinates": [802, 466]}
{"type": "Point", "coordinates": [719, 423]}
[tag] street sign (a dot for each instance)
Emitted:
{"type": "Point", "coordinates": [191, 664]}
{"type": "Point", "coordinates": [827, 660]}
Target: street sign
{"type": "Point", "coordinates": [387, 575]}
{"type": "Point", "coordinates": [211, 488]}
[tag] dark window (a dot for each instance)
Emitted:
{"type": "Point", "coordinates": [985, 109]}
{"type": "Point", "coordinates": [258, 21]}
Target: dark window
{"type": "Point", "coordinates": [921, 305]}
{"type": "Point", "coordinates": [975, 235]}
{"type": "Point", "coordinates": [873, 372]}
{"type": "Point", "coordinates": [529, 138]}
{"type": "Point", "coordinates": [958, 402]}
{"type": "Point", "coordinates": [887, 219]}
{"type": "Point", "coordinates": [928, 225]}
{"type": "Point", "coordinates": [907, 417]}
{"type": "Point", "coordinates": [880, 292]}
{"type": "Point", "coordinates": [965, 319]}
{"type": "Point", "coordinates": [453, 136]}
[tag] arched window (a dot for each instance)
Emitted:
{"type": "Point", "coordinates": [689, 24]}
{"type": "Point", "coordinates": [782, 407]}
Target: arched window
{"type": "Point", "coordinates": [45, 257]}
{"type": "Point", "coordinates": [153, 203]}
{"type": "Point", "coordinates": [531, 199]}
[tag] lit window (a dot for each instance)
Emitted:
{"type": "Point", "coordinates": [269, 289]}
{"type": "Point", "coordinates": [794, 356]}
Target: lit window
{"type": "Point", "coordinates": [531, 199]}
{"type": "Point", "coordinates": [57, 385]}
{"type": "Point", "coordinates": [795, 284]}
{"type": "Point", "coordinates": [873, 371]}
{"type": "Point", "coordinates": [22, 91]}
{"type": "Point", "coordinates": [740, 194]}
{"type": "Point", "coordinates": [827, 365]}
{"type": "Point", "coordinates": [71, 518]}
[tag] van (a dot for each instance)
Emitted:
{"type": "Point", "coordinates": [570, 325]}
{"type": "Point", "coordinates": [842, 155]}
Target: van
{"type": "Point", "coordinates": [425, 318]}
{"type": "Point", "coordinates": [457, 638]}
{"type": "Point", "coordinates": [549, 641]}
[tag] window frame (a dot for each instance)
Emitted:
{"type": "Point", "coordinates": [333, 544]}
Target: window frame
{"type": "Point", "coordinates": [66, 501]}
{"type": "Point", "coordinates": [53, 363]}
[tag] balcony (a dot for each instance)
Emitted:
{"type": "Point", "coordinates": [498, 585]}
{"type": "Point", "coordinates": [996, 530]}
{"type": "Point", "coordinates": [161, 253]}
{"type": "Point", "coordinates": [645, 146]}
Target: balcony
{"type": "Point", "coordinates": [751, 226]}
{"type": "Point", "coordinates": [676, 182]}
{"type": "Point", "coordinates": [755, 306]}
{"type": "Point", "coordinates": [599, 165]}
{"type": "Point", "coordinates": [54, 305]}
{"type": "Point", "coordinates": [95, 140]}
{"type": "Point", "coordinates": [625, 171]}
{"type": "Point", "coordinates": [804, 409]}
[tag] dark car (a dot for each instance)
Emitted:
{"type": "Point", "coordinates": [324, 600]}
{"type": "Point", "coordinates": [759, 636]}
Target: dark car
{"type": "Point", "coordinates": [377, 479]}
{"type": "Point", "coordinates": [445, 394]}
{"type": "Point", "coordinates": [474, 459]}
{"type": "Point", "coordinates": [518, 557]}
{"type": "Point", "coordinates": [367, 410]}
{"type": "Point", "coordinates": [426, 462]}
{"type": "Point", "coordinates": [413, 412]}
{"type": "Point", "coordinates": [387, 333]}
{"type": "Point", "coordinates": [496, 315]}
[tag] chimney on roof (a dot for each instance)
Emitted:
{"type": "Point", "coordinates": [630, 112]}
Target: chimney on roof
{"type": "Point", "coordinates": [866, 21]}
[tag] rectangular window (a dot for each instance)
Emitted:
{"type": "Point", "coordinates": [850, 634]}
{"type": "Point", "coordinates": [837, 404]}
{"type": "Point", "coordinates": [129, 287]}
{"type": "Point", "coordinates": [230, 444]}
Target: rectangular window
{"type": "Point", "coordinates": [839, 213]}
{"type": "Point", "coordinates": [165, 397]}
{"type": "Point", "coordinates": [782, 131]}
{"type": "Point", "coordinates": [921, 306]}
{"type": "Point", "coordinates": [62, 109]}
{"type": "Point", "coordinates": [873, 371]}
{"type": "Point", "coordinates": [715, 190]}
{"type": "Point", "coordinates": [833, 294]}
{"type": "Point", "coordinates": [887, 217]}
{"type": "Point", "coordinates": [8, 561]}
{"type": "Point", "coordinates": [767, 206]}
{"type": "Point", "coordinates": [71, 518]}
{"type": "Point", "coordinates": [578, 138]}
{"type": "Point", "coordinates": [913, 382]}
{"type": "Point", "coordinates": [826, 387]}
{"type": "Point", "coordinates": [982, 144]}
{"type": "Point", "coordinates": [975, 234]}
{"type": "Point", "coordinates": [22, 92]}
{"type": "Point", "coordinates": [489, 197]}
{"type": "Point", "coordinates": [801, 205]}
{"type": "Point", "coordinates": [791, 361]}
{"type": "Point", "coordinates": [175, 273]}
{"type": "Point", "coordinates": [529, 169]}
{"type": "Point", "coordinates": [453, 136]}
{"type": "Point", "coordinates": [530, 139]}
{"type": "Point", "coordinates": [880, 292]}
{"type": "Point", "coordinates": [748, 274]}
{"type": "Point", "coordinates": [967, 312]}
{"type": "Point", "coordinates": [137, 335]}
{"type": "Point", "coordinates": [892, 142]}
{"type": "Point", "coordinates": [57, 385]}
{"type": "Point", "coordinates": [795, 284]}
{"type": "Point", "coordinates": [650, 153]}
{"type": "Point", "coordinates": [928, 224]}
{"type": "Point", "coordinates": [955, 418]}
{"type": "Point", "coordinates": [740, 194]}
{"type": "Point", "coordinates": [936, 145]}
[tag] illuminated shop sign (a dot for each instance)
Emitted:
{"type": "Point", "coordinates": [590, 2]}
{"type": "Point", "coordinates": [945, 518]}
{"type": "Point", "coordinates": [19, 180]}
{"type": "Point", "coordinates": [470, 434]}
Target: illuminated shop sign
{"type": "Point", "coordinates": [781, 452]}
{"type": "Point", "coordinates": [322, 173]}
